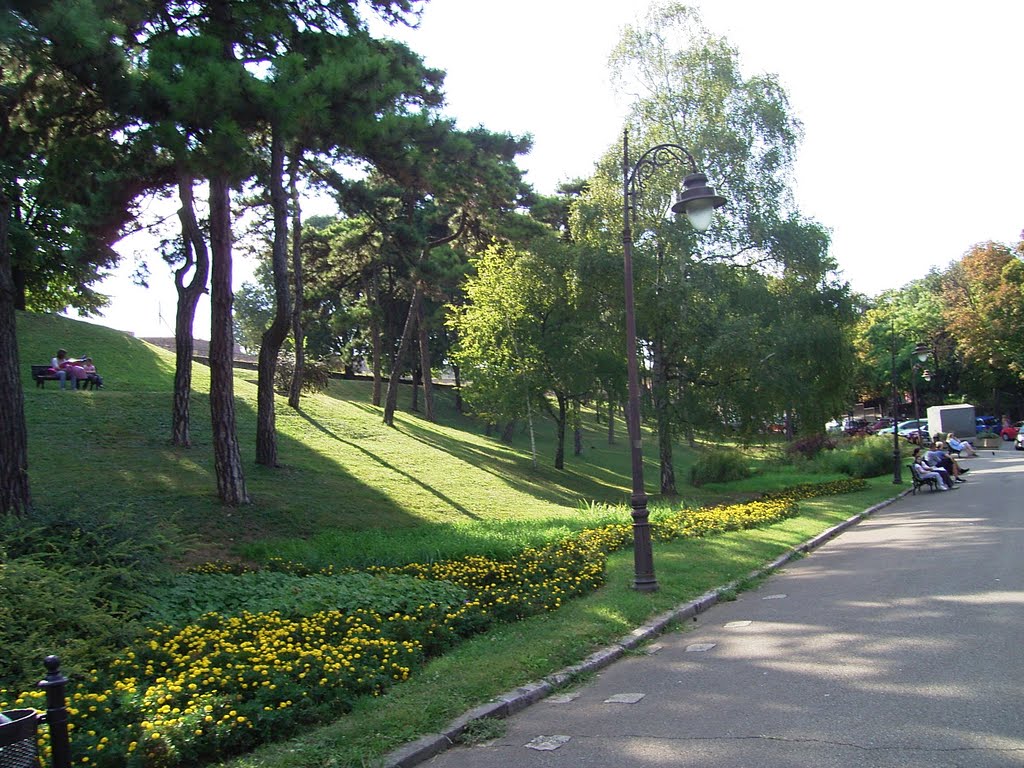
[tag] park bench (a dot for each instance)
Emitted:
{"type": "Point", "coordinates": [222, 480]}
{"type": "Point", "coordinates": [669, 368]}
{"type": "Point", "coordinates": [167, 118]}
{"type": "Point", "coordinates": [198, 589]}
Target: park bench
{"type": "Point", "coordinates": [919, 481]}
{"type": "Point", "coordinates": [43, 373]}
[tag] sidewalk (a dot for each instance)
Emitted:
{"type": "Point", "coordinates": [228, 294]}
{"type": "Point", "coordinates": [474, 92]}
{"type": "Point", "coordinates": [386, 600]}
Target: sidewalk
{"type": "Point", "coordinates": [899, 643]}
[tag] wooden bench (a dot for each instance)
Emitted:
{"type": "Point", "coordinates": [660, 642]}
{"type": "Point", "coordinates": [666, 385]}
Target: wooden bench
{"type": "Point", "coordinates": [919, 481]}
{"type": "Point", "coordinates": [43, 373]}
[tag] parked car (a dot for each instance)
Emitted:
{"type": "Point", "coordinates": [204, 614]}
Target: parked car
{"type": "Point", "coordinates": [1018, 441]}
{"type": "Point", "coordinates": [876, 427]}
{"type": "Point", "coordinates": [914, 426]}
{"type": "Point", "coordinates": [855, 426]}
{"type": "Point", "coordinates": [986, 424]}
{"type": "Point", "coordinates": [1011, 432]}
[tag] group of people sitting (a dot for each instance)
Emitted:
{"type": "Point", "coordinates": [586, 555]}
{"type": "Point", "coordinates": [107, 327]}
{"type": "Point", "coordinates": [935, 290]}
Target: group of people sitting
{"type": "Point", "coordinates": [937, 464]}
{"type": "Point", "coordinates": [78, 372]}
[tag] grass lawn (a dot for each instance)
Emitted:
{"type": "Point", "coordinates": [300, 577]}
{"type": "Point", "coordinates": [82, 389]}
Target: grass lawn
{"type": "Point", "coordinates": [353, 492]}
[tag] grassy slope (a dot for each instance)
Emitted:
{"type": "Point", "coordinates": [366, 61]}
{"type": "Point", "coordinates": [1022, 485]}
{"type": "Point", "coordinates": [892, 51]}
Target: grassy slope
{"type": "Point", "coordinates": [341, 468]}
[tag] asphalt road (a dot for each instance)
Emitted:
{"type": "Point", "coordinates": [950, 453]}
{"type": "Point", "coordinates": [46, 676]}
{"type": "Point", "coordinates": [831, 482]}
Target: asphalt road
{"type": "Point", "coordinates": [900, 643]}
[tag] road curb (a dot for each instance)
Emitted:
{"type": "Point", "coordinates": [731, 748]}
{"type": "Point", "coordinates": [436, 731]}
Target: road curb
{"type": "Point", "coordinates": [520, 698]}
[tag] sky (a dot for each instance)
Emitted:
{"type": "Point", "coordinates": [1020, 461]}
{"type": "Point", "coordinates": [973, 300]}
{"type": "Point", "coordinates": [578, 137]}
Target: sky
{"type": "Point", "coordinates": [911, 113]}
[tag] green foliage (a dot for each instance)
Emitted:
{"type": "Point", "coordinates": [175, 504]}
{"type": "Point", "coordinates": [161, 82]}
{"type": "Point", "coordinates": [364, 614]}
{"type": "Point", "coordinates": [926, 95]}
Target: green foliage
{"type": "Point", "coordinates": [73, 583]}
{"type": "Point", "coordinates": [860, 457]}
{"type": "Point", "coordinates": [716, 466]}
{"type": "Point", "coordinates": [315, 374]}
{"type": "Point", "coordinates": [190, 595]}
{"type": "Point", "coordinates": [810, 446]}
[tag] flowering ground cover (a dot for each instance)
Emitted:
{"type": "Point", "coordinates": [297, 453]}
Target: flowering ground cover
{"type": "Point", "coordinates": [201, 690]}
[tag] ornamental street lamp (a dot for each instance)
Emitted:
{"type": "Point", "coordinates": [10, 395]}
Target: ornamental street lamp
{"type": "Point", "coordinates": [698, 201]}
{"type": "Point", "coordinates": [897, 472]}
{"type": "Point", "coordinates": [922, 353]}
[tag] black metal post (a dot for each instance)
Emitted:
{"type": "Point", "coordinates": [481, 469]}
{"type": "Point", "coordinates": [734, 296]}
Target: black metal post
{"type": "Point", "coordinates": [698, 201]}
{"type": "Point", "coordinates": [643, 557]}
{"type": "Point", "coordinates": [913, 390]}
{"type": "Point", "coordinates": [56, 712]}
{"type": "Point", "coordinates": [897, 472]}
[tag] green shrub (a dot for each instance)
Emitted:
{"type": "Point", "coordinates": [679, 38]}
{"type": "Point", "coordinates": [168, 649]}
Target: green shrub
{"type": "Point", "coordinates": [72, 584]}
{"type": "Point", "coordinates": [191, 595]}
{"type": "Point", "coordinates": [811, 446]}
{"type": "Point", "coordinates": [315, 374]}
{"type": "Point", "coordinates": [719, 467]}
{"type": "Point", "coordinates": [867, 457]}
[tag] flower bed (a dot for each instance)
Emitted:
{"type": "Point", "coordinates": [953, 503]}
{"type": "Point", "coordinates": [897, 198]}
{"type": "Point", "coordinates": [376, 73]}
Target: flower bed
{"type": "Point", "coordinates": [223, 684]}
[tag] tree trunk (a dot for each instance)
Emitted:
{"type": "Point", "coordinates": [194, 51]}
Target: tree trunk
{"type": "Point", "coordinates": [197, 261]}
{"type": "Point", "coordinates": [414, 404]}
{"type": "Point", "coordinates": [508, 432]}
{"type": "Point", "coordinates": [577, 430]}
{"type": "Point", "coordinates": [298, 333]}
{"type": "Point", "coordinates": [15, 495]}
{"type": "Point", "coordinates": [458, 389]}
{"type": "Point", "coordinates": [560, 441]}
{"type": "Point", "coordinates": [414, 309]}
{"type": "Point", "coordinates": [227, 459]}
{"type": "Point", "coordinates": [274, 336]}
{"type": "Point", "coordinates": [377, 354]}
{"type": "Point", "coordinates": [391, 400]}
{"type": "Point", "coordinates": [428, 388]}
{"type": "Point", "coordinates": [659, 394]}
{"type": "Point", "coordinates": [611, 419]}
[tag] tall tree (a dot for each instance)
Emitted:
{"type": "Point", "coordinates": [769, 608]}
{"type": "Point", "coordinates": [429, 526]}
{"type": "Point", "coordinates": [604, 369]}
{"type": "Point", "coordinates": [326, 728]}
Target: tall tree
{"type": "Point", "coordinates": [525, 332]}
{"type": "Point", "coordinates": [739, 131]}
{"type": "Point", "coordinates": [190, 280]}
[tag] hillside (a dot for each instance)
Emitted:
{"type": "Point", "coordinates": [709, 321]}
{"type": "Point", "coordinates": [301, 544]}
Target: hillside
{"type": "Point", "coordinates": [341, 468]}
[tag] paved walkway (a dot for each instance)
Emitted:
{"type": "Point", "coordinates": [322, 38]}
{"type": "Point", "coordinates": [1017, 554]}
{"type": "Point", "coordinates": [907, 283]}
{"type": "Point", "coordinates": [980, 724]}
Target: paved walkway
{"type": "Point", "coordinates": [899, 643]}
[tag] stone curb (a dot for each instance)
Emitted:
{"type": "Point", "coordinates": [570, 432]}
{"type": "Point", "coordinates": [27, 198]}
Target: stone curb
{"type": "Point", "coordinates": [520, 698]}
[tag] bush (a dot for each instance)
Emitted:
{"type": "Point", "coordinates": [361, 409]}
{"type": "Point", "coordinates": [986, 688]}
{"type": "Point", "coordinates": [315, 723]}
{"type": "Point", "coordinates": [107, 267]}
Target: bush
{"type": "Point", "coordinates": [315, 374]}
{"type": "Point", "coordinates": [811, 446]}
{"type": "Point", "coordinates": [72, 584]}
{"type": "Point", "coordinates": [867, 457]}
{"type": "Point", "coordinates": [191, 595]}
{"type": "Point", "coordinates": [719, 467]}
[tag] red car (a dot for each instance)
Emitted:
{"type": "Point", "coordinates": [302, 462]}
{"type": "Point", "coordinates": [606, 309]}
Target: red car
{"type": "Point", "coordinates": [880, 424]}
{"type": "Point", "coordinates": [1010, 433]}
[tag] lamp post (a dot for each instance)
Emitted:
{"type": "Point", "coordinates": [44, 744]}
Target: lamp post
{"type": "Point", "coordinates": [698, 201]}
{"type": "Point", "coordinates": [897, 472]}
{"type": "Point", "coordinates": [921, 352]}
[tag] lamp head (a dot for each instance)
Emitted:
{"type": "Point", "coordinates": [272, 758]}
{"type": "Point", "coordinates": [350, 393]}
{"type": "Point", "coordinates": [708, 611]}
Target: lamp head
{"type": "Point", "coordinates": [698, 201]}
{"type": "Point", "coordinates": [922, 352]}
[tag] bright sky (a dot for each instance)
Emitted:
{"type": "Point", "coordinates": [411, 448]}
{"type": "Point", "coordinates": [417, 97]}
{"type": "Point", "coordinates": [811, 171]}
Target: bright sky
{"type": "Point", "coordinates": [911, 111]}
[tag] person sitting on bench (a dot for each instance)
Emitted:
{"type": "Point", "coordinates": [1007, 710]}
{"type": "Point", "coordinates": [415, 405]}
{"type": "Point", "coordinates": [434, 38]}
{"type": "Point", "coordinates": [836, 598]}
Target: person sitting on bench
{"type": "Point", "coordinates": [927, 472]}
{"type": "Point", "coordinates": [937, 457]}
{"type": "Point", "coordinates": [95, 380]}
{"type": "Point", "coordinates": [963, 447]}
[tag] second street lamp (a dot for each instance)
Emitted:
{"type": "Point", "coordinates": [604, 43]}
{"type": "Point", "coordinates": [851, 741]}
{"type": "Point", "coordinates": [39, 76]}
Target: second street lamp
{"type": "Point", "coordinates": [698, 201]}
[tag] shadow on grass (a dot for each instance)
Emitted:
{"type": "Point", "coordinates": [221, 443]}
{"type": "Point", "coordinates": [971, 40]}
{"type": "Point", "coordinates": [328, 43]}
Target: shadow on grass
{"type": "Point", "coordinates": [391, 467]}
{"type": "Point", "coordinates": [509, 465]}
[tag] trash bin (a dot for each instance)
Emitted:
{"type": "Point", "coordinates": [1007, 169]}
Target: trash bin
{"type": "Point", "coordinates": [18, 744]}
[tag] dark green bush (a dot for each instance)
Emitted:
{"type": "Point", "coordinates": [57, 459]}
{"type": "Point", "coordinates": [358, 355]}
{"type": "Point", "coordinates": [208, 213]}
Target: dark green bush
{"type": "Point", "coordinates": [315, 374]}
{"type": "Point", "coordinates": [863, 457]}
{"type": "Point", "coordinates": [191, 595]}
{"type": "Point", "coordinates": [810, 446]}
{"type": "Point", "coordinates": [719, 467]}
{"type": "Point", "coordinates": [72, 584]}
